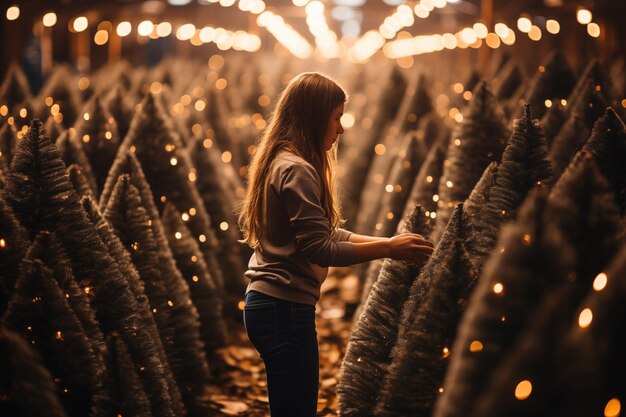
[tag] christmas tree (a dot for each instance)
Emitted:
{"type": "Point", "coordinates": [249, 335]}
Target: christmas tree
{"type": "Point", "coordinates": [8, 142]}
{"type": "Point", "coordinates": [554, 80]}
{"type": "Point", "coordinates": [171, 177]}
{"type": "Point", "coordinates": [15, 97]}
{"type": "Point", "coordinates": [40, 312]}
{"type": "Point", "coordinates": [13, 245]}
{"type": "Point", "coordinates": [79, 181]}
{"type": "Point", "coordinates": [120, 107]}
{"type": "Point", "coordinates": [220, 189]}
{"type": "Point", "coordinates": [399, 184]}
{"type": "Point", "coordinates": [97, 130]}
{"type": "Point", "coordinates": [27, 388]}
{"type": "Point", "coordinates": [426, 183]}
{"type": "Point", "coordinates": [42, 198]}
{"type": "Point", "coordinates": [175, 315]}
{"type": "Point", "coordinates": [63, 92]}
{"type": "Point", "coordinates": [202, 288]}
{"type": "Point", "coordinates": [595, 76]}
{"type": "Point", "coordinates": [128, 397]}
{"type": "Point", "coordinates": [426, 327]}
{"type": "Point", "coordinates": [72, 153]}
{"type": "Point", "coordinates": [607, 145]}
{"type": "Point", "coordinates": [553, 120]}
{"type": "Point", "coordinates": [508, 80]}
{"type": "Point", "coordinates": [478, 140]}
{"type": "Point", "coordinates": [368, 353]}
{"type": "Point", "coordinates": [124, 262]}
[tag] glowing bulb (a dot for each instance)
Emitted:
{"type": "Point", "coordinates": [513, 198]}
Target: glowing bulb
{"type": "Point", "coordinates": [178, 235]}
{"type": "Point", "coordinates": [612, 408]}
{"type": "Point", "coordinates": [476, 346]}
{"type": "Point", "coordinates": [583, 16]}
{"type": "Point", "coordinates": [145, 28]}
{"type": "Point", "coordinates": [13, 13]}
{"type": "Point", "coordinates": [524, 24]}
{"type": "Point", "coordinates": [173, 161]}
{"type": "Point", "coordinates": [80, 24]}
{"type": "Point", "coordinates": [223, 226]}
{"type": "Point", "coordinates": [593, 29]}
{"type": "Point", "coordinates": [124, 29]}
{"type": "Point", "coordinates": [600, 282]}
{"type": "Point", "coordinates": [553, 26]}
{"type": "Point", "coordinates": [585, 318]}
{"type": "Point", "coordinates": [523, 390]}
{"type": "Point", "coordinates": [498, 288]}
{"type": "Point", "coordinates": [49, 19]}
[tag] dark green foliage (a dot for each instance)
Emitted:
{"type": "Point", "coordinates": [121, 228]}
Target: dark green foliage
{"type": "Point", "coordinates": [426, 183]}
{"type": "Point", "coordinates": [477, 141]}
{"type": "Point", "coordinates": [607, 145]}
{"type": "Point", "coordinates": [13, 245]}
{"type": "Point", "coordinates": [97, 130]}
{"type": "Point", "coordinates": [8, 142]}
{"type": "Point", "coordinates": [554, 80]}
{"type": "Point", "coordinates": [128, 397]}
{"type": "Point", "coordinates": [64, 92]}
{"type": "Point", "coordinates": [203, 290]}
{"type": "Point", "coordinates": [26, 386]}
{"type": "Point", "coordinates": [72, 153]}
{"type": "Point", "coordinates": [42, 197]}
{"type": "Point", "coordinates": [79, 181]}
{"type": "Point", "coordinates": [427, 325]}
{"type": "Point", "coordinates": [40, 312]}
{"type": "Point", "coordinates": [120, 107]}
{"type": "Point", "coordinates": [125, 264]}
{"type": "Point", "coordinates": [368, 353]}
{"type": "Point", "coordinates": [175, 315]}
{"type": "Point", "coordinates": [167, 170]}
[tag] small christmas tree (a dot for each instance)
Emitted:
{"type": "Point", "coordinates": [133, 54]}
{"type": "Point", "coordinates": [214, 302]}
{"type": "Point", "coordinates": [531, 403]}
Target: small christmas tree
{"type": "Point", "coordinates": [13, 245]}
{"type": "Point", "coordinates": [72, 153]}
{"type": "Point", "coordinates": [596, 76]}
{"type": "Point", "coordinates": [508, 80]}
{"type": "Point", "coordinates": [399, 184]}
{"type": "Point", "coordinates": [175, 315]}
{"type": "Point", "coordinates": [96, 130]}
{"type": "Point", "coordinates": [42, 198]}
{"type": "Point", "coordinates": [27, 388]}
{"type": "Point", "coordinates": [120, 107]}
{"type": "Point", "coordinates": [40, 311]}
{"type": "Point", "coordinates": [128, 397]}
{"type": "Point", "coordinates": [426, 183]}
{"type": "Point", "coordinates": [478, 140]}
{"type": "Point", "coordinates": [368, 353]}
{"type": "Point", "coordinates": [171, 177]}
{"type": "Point", "coordinates": [554, 80]}
{"type": "Point", "coordinates": [553, 120]}
{"type": "Point", "coordinates": [125, 263]}
{"type": "Point", "coordinates": [202, 288]}
{"type": "Point", "coordinates": [418, 357]}
{"type": "Point", "coordinates": [64, 93]}
{"type": "Point", "coordinates": [15, 94]}
{"type": "Point", "coordinates": [607, 145]}
{"type": "Point", "coordinates": [79, 180]}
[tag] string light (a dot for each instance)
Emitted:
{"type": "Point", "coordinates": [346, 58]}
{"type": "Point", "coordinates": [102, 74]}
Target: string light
{"type": "Point", "coordinates": [49, 19]}
{"type": "Point", "coordinates": [124, 29]}
{"type": "Point", "coordinates": [523, 389]}
{"type": "Point", "coordinates": [498, 288]}
{"type": "Point", "coordinates": [583, 16]}
{"type": "Point", "coordinates": [585, 318]}
{"type": "Point", "coordinates": [593, 29]}
{"type": "Point", "coordinates": [285, 34]}
{"type": "Point", "coordinates": [600, 281]}
{"type": "Point", "coordinates": [553, 26]}
{"type": "Point", "coordinates": [476, 346]}
{"type": "Point", "coordinates": [13, 13]}
{"type": "Point", "coordinates": [612, 408]}
{"type": "Point", "coordinates": [80, 24]}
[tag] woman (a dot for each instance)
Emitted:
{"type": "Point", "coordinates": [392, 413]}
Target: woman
{"type": "Point", "coordinates": [291, 218]}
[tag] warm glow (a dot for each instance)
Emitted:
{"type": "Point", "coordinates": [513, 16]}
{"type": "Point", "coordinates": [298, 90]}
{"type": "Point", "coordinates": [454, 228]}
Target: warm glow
{"type": "Point", "coordinates": [13, 13]}
{"type": "Point", "coordinates": [173, 161]}
{"type": "Point", "coordinates": [535, 33]}
{"type": "Point", "coordinates": [476, 346]}
{"type": "Point", "coordinates": [49, 19]}
{"type": "Point", "coordinates": [481, 30]}
{"type": "Point", "coordinates": [164, 29]}
{"type": "Point", "coordinates": [101, 37]}
{"type": "Point", "coordinates": [593, 29]}
{"type": "Point", "coordinates": [583, 16]}
{"type": "Point", "coordinates": [498, 288]}
{"type": "Point", "coordinates": [80, 24]}
{"type": "Point", "coordinates": [145, 28]}
{"type": "Point", "coordinates": [178, 235]}
{"type": "Point", "coordinates": [553, 26]}
{"type": "Point", "coordinates": [600, 282]}
{"type": "Point", "coordinates": [523, 390]}
{"type": "Point", "coordinates": [524, 24]}
{"type": "Point", "coordinates": [347, 120]}
{"type": "Point", "coordinates": [585, 318]}
{"type": "Point", "coordinates": [124, 29]}
{"type": "Point", "coordinates": [223, 226]}
{"type": "Point", "coordinates": [185, 32]}
{"type": "Point", "coordinates": [612, 408]}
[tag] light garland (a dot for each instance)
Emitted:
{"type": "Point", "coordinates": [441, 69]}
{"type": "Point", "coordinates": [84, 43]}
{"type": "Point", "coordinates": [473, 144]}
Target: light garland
{"type": "Point", "coordinates": [325, 39]}
{"type": "Point", "coordinates": [285, 34]}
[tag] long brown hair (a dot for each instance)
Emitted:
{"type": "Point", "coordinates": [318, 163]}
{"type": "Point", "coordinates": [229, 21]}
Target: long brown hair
{"type": "Point", "coordinates": [298, 124]}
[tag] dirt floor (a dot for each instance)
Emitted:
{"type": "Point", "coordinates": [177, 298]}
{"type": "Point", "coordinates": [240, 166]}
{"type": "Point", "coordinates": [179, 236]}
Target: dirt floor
{"type": "Point", "coordinates": [243, 389]}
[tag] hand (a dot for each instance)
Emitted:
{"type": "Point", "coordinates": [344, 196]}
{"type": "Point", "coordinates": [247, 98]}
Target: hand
{"type": "Point", "coordinates": [410, 247]}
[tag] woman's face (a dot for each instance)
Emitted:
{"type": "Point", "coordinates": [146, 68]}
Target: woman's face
{"type": "Point", "coordinates": [334, 128]}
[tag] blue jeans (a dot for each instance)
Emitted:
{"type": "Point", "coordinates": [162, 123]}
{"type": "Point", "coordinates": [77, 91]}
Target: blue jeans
{"type": "Point", "coordinates": [284, 334]}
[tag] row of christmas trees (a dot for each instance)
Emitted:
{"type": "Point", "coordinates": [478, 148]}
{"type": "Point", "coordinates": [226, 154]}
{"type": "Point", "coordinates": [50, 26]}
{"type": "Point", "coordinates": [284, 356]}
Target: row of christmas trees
{"type": "Point", "coordinates": [118, 252]}
{"type": "Point", "coordinates": [519, 311]}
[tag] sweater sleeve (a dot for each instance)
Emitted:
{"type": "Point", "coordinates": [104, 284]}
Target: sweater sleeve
{"type": "Point", "coordinates": [343, 234]}
{"type": "Point", "coordinates": [300, 190]}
